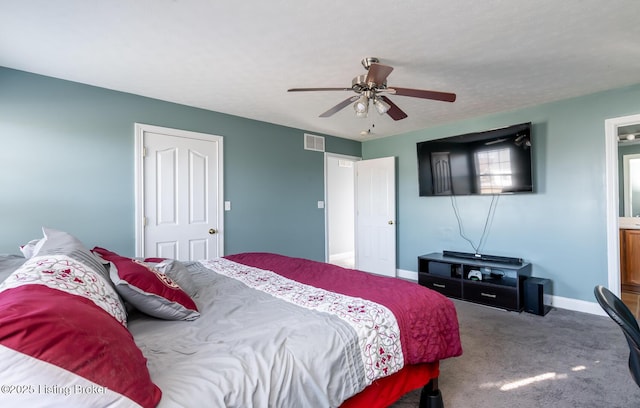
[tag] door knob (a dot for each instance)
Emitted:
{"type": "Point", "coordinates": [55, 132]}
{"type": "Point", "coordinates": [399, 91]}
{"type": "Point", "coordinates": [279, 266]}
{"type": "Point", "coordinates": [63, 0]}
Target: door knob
{"type": "Point", "coordinates": [212, 231]}
{"type": "Point", "coordinates": [390, 222]}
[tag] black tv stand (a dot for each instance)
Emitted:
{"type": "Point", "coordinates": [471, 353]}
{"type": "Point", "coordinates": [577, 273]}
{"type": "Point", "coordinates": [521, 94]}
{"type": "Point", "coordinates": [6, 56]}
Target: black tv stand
{"type": "Point", "coordinates": [483, 257]}
{"type": "Point", "coordinates": [497, 284]}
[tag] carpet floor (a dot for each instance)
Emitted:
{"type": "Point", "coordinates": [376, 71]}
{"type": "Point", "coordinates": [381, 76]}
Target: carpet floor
{"type": "Point", "coordinates": [565, 359]}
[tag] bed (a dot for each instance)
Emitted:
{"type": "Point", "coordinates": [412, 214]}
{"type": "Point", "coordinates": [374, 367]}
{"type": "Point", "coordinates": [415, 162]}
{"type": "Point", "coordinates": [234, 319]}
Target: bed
{"type": "Point", "coordinates": [94, 328]}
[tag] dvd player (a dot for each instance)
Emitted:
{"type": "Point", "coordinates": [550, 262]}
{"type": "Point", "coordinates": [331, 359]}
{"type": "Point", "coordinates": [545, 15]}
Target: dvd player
{"type": "Point", "coordinates": [483, 257]}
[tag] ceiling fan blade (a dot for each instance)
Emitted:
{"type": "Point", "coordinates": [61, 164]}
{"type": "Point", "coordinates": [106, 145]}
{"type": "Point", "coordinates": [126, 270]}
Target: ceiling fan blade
{"type": "Point", "coordinates": [395, 112]}
{"type": "Point", "coordinates": [339, 106]}
{"type": "Point", "coordinates": [378, 73]}
{"type": "Point", "coordinates": [421, 93]}
{"type": "Point", "coordinates": [318, 89]}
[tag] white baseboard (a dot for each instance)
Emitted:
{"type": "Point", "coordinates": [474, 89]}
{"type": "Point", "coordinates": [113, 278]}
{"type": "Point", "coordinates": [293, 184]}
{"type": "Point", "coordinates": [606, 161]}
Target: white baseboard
{"type": "Point", "coordinates": [576, 305]}
{"type": "Point", "coordinates": [410, 275]}
{"type": "Point", "coordinates": [555, 301]}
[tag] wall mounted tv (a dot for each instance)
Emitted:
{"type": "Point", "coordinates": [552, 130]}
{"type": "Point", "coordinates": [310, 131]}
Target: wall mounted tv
{"type": "Point", "coordinates": [496, 161]}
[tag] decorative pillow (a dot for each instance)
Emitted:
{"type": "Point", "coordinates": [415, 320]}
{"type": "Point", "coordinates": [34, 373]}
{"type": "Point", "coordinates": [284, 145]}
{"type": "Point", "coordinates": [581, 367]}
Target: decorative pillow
{"type": "Point", "coordinates": [59, 349]}
{"type": "Point", "coordinates": [178, 272]}
{"type": "Point", "coordinates": [57, 242]}
{"type": "Point", "coordinates": [28, 248]}
{"type": "Point", "coordinates": [65, 274]}
{"type": "Point", "coordinates": [147, 289]}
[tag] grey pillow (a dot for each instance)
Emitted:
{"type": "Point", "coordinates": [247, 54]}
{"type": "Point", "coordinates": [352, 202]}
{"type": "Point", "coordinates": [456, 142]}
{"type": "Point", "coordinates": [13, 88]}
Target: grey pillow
{"type": "Point", "coordinates": [62, 243]}
{"type": "Point", "coordinates": [179, 274]}
{"type": "Point", "coordinates": [8, 264]}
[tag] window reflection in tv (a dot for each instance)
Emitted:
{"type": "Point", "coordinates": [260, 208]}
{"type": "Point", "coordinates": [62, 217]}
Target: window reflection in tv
{"type": "Point", "coordinates": [496, 161]}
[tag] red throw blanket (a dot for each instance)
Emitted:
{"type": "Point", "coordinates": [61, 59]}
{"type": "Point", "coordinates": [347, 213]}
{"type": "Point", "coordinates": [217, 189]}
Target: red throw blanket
{"type": "Point", "coordinates": [428, 321]}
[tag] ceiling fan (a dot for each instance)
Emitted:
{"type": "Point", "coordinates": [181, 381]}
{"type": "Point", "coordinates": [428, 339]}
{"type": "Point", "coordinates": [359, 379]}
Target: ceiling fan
{"type": "Point", "coordinates": [370, 89]}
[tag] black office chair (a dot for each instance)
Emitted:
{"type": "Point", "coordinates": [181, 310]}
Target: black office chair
{"type": "Point", "coordinates": [621, 314]}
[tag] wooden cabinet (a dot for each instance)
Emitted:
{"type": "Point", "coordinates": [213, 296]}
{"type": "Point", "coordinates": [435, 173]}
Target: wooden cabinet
{"type": "Point", "coordinates": [630, 260]}
{"type": "Point", "coordinates": [490, 283]}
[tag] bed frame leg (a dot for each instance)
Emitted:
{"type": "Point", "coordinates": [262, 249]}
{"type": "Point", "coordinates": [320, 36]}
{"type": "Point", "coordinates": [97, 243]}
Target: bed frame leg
{"type": "Point", "coordinates": [430, 397]}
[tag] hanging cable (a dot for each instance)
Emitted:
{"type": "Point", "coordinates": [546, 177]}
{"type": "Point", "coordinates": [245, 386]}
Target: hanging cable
{"type": "Point", "coordinates": [460, 227]}
{"type": "Point", "coordinates": [488, 220]}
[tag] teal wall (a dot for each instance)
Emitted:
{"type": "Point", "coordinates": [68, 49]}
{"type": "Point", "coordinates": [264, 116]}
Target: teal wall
{"type": "Point", "coordinates": [67, 162]}
{"type": "Point", "coordinates": [67, 154]}
{"type": "Point", "coordinates": [561, 228]}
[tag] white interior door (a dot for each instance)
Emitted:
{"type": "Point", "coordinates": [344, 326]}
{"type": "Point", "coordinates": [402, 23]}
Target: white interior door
{"type": "Point", "coordinates": [181, 194]}
{"type": "Point", "coordinates": [376, 216]}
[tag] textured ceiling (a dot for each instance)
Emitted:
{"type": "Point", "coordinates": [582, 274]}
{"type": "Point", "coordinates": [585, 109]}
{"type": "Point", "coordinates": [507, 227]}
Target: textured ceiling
{"type": "Point", "coordinates": [240, 57]}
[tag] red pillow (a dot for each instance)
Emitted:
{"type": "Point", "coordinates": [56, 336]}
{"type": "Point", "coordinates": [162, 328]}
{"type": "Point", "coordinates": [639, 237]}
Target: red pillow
{"type": "Point", "coordinates": [66, 350]}
{"type": "Point", "coordinates": [147, 289]}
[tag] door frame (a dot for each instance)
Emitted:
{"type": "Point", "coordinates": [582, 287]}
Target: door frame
{"type": "Point", "coordinates": [612, 197]}
{"type": "Point", "coordinates": [139, 153]}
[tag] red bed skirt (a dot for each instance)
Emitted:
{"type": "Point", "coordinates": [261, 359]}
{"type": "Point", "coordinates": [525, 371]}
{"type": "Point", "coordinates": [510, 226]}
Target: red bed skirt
{"type": "Point", "coordinates": [385, 391]}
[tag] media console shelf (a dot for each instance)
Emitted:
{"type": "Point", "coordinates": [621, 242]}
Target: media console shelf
{"type": "Point", "coordinates": [497, 284]}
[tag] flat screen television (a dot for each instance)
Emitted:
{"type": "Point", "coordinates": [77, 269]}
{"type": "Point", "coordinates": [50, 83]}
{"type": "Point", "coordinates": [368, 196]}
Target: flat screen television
{"type": "Point", "coordinates": [496, 161]}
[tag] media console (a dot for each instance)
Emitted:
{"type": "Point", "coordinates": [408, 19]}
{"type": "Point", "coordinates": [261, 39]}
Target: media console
{"type": "Point", "coordinates": [498, 282]}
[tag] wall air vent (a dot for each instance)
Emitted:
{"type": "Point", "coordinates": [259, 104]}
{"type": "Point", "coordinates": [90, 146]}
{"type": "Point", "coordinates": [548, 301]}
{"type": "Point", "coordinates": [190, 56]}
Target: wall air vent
{"type": "Point", "coordinates": [313, 142]}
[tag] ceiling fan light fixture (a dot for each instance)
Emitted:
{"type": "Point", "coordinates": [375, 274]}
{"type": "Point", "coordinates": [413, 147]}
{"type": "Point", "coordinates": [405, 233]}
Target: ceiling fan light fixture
{"type": "Point", "coordinates": [381, 106]}
{"type": "Point", "coordinates": [628, 137]}
{"type": "Point", "coordinates": [367, 87]}
{"type": "Point", "coordinates": [362, 106]}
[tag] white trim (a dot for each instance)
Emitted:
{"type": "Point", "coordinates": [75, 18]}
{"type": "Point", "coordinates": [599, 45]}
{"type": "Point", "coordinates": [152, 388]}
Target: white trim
{"type": "Point", "coordinates": [612, 197]}
{"type": "Point", "coordinates": [140, 130]}
{"type": "Point", "coordinates": [139, 189]}
{"type": "Point", "coordinates": [409, 275]}
{"type": "Point", "coordinates": [576, 305]}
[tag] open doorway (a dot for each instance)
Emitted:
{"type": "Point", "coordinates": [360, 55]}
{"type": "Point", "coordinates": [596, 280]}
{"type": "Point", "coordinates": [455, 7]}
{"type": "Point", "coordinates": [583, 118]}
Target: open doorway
{"type": "Point", "coordinates": [340, 209]}
{"type": "Point", "coordinates": [617, 221]}
{"type": "Point", "coordinates": [629, 155]}
{"type": "Point", "coordinates": [629, 215]}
